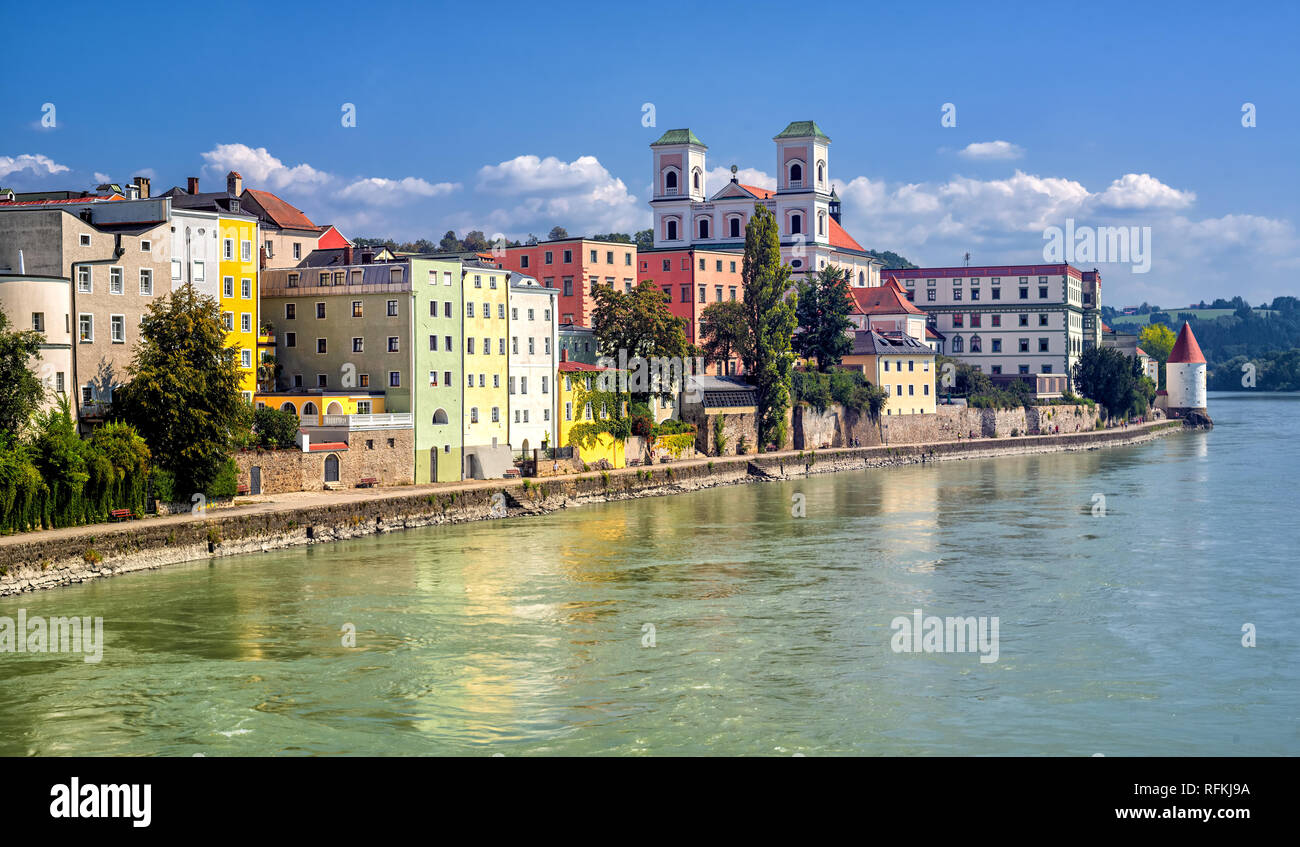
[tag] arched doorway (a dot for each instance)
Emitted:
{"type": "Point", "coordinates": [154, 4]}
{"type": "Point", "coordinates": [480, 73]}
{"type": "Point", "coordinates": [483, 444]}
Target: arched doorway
{"type": "Point", "coordinates": [331, 468]}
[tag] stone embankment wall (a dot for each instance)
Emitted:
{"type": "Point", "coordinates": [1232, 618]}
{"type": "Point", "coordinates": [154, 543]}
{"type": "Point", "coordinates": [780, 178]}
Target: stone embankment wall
{"type": "Point", "coordinates": [381, 454]}
{"type": "Point", "coordinates": [33, 562]}
{"type": "Point", "coordinates": [838, 427]}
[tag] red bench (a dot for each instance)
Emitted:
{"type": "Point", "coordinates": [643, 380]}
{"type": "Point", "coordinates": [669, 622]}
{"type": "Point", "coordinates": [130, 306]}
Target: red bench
{"type": "Point", "coordinates": [242, 489]}
{"type": "Point", "coordinates": [120, 515]}
{"type": "Point", "coordinates": [513, 473]}
{"type": "Point", "coordinates": [368, 482]}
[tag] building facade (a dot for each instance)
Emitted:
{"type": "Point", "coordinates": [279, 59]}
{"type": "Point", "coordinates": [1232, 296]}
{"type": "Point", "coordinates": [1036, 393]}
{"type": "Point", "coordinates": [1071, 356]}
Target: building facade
{"type": "Point", "coordinates": [574, 267]}
{"type": "Point", "coordinates": [899, 364]}
{"type": "Point", "coordinates": [534, 339]}
{"type": "Point", "coordinates": [486, 400]}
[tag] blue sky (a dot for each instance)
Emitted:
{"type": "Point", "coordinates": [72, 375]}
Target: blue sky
{"type": "Point", "coordinates": [494, 118]}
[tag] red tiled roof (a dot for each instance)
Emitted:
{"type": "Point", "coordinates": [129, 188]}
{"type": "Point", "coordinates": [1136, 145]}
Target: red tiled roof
{"type": "Point", "coordinates": [1186, 350]}
{"type": "Point", "coordinates": [760, 193]}
{"type": "Point", "coordinates": [102, 197]}
{"type": "Point", "coordinates": [580, 366]}
{"type": "Point", "coordinates": [1141, 352]}
{"type": "Point", "coordinates": [887, 299]}
{"type": "Point", "coordinates": [284, 215]}
{"type": "Point", "coordinates": [331, 238]}
{"type": "Point", "coordinates": [327, 445]}
{"type": "Point", "coordinates": [931, 333]}
{"type": "Point", "coordinates": [840, 238]}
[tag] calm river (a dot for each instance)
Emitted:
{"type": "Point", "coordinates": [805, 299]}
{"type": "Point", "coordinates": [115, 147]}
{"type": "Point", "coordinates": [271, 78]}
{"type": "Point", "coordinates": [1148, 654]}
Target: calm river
{"type": "Point", "coordinates": [1119, 633]}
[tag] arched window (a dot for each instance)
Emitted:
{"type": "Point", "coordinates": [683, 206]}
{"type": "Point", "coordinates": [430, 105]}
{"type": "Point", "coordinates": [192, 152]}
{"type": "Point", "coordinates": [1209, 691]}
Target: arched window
{"type": "Point", "coordinates": [975, 344]}
{"type": "Point", "coordinates": [734, 223]}
{"type": "Point", "coordinates": [796, 173]}
{"type": "Point", "coordinates": [862, 278]}
{"type": "Point", "coordinates": [821, 223]}
{"type": "Point", "coordinates": [288, 407]}
{"type": "Point", "coordinates": [670, 182]}
{"type": "Point", "coordinates": [821, 172]}
{"type": "Point", "coordinates": [309, 408]}
{"type": "Point", "coordinates": [704, 227]}
{"type": "Point", "coordinates": [695, 178]}
{"type": "Point", "coordinates": [440, 416]}
{"type": "Point", "coordinates": [670, 229]}
{"type": "Point", "coordinates": [956, 344]}
{"type": "Point", "coordinates": [796, 223]}
{"type": "Point", "coordinates": [334, 408]}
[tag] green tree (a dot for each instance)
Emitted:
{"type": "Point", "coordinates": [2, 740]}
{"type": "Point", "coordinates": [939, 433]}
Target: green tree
{"type": "Point", "coordinates": [823, 315]}
{"type": "Point", "coordinates": [275, 427]}
{"type": "Point", "coordinates": [770, 308]}
{"type": "Point", "coordinates": [59, 455]}
{"type": "Point", "coordinates": [645, 239]}
{"type": "Point", "coordinates": [724, 331]}
{"type": "Point", "coordinates": [557, 232]}
{"type": "Point", "coordinates": [450, 243]}
{"type": "Point", "coordinates": [1114, 380]}
{"type": "Point", "coordinates": [476, 242]}
{"type": "Point", "coordinates": [183, 393]}
{"type": "Point", "coordinates": [21, 391]}
{"type": "Point", "coordinates": [637, 321]}
{"type": "Point", "coordinates": [1158, 340]}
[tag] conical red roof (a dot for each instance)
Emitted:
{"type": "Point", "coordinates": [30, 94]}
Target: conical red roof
{"type": "Point", "coordinates": [1186, 350]}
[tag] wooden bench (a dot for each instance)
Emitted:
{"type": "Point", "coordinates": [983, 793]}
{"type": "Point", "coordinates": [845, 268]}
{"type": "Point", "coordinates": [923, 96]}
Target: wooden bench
{"type": "Point", "coordinates": [241, 489]}
{"type": "Point", "coordinates": [368, 482]}
{"type": "Point", "coordinates": [120, 515]}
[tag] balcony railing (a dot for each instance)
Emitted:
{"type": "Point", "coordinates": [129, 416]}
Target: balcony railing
{"type": "Point", "coordinates": [389, 420]}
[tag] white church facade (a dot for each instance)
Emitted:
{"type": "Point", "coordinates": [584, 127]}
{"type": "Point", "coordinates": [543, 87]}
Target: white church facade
{"type": "Point", "coordinates": [804, 203]}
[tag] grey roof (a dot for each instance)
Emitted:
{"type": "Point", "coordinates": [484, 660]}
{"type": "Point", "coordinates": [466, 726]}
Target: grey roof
{"type": "Point", "coordinates": [722, 391]}
{"type": "Point", "coordinates": [868, 342]}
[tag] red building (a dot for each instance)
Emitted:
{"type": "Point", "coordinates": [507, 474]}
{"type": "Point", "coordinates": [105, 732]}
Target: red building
{"type": "Point", "coordinates": [575, 266]}
{"type": "Point", "coordinates": [693, 279]}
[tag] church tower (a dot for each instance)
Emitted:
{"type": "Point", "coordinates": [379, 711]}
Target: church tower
{"type": "Point", "coordinates": [678, 179]}
{"type": "Point", "coordinates": [803, 195]}
{"type": "Point", "coordinates": [1185, 375]}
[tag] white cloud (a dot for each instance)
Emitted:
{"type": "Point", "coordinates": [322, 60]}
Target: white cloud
{"type": "Point", "coordinates": [716, 178]}
{"type": "Point", "coordinates": [102, 178]}
{"type": "Point", "coordinates": [582, 196]}
{"type": "Point", "coordinates": [991, 150]}
{"type": "Point", "coordinates": [259, 168]}
{"type": "Point", "coordinates": [377, 191]}
{"type": "Point", "coordinates": [1143, 191]}
{"type": "Point", "coordinates": [38, 163]}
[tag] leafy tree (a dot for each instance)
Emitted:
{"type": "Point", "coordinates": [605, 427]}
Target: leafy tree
{"type": "Point", "coordinates": [892, 260]}
{"type": "Point", "coordinates": [968, 380]}
{"type": "Point", "coordinates": [531, 240]}
{"type": "Point", "coordinates": [771, 313]}
{"type": "Point", "coordinates": [127, 457]}
{"type": "Point", "coordinates": [724, 329]}
{"type": "Point", "coordinates": [645, 239]}
{"type": "Point", "coordinates": [21, 391]}
{"type": "Point", "coordinates": [637, 321]}
{"type": "Point", "coordinates": [1114, 380]}
{"type": "Point", "coordinates": [476, 242]}
{"type": "Point", "coordinates": [616, 237]}
{"type": "Point", "coordinates": [450, 243]}
{"type": "Point", "coordinates": [557, 232]}
{"type": "Point", "coordinates": [59, 454]}
{"type": "Point", "coordinates": [823, 315]}
{"type": "Point", "coordinates": [184, 390]}
{"type": "Point", "coordinates": [275, 427]}
{"type": "Point", "coordinates": [1157, 340]}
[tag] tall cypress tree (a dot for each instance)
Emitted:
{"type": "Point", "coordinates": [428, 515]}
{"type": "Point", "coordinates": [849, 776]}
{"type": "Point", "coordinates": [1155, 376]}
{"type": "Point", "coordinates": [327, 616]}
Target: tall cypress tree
{"type": "Point", "coordinates": [770, 309]}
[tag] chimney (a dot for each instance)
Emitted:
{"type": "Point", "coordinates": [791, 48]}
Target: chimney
{"type": "Point", "coordinates": [193, 183]}
{"type": "Point", "coordinates": [142, 184]}
{"type": "Point", "coordinates": [234, 183]}
{"type": "Point", "coordinates": [347, 255]}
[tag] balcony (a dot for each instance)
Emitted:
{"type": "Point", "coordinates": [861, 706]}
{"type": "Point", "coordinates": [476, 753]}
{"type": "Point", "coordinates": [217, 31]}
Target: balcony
{"type": "Point", "coordinates": [390, 420]}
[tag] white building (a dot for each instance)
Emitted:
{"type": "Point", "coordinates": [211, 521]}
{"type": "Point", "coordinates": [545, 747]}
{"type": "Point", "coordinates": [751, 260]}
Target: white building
{"type": "Point", "coordinates": [534, 348]}
{"type": "Point", "coordinates": [805, 205]}
{"type": "Point", "coordinates": [195, 253]}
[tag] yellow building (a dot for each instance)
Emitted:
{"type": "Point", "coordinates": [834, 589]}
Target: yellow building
{"type": "Point", "coordinates": [574, 377]}
{"type": "Point", "coordinates": [237, 292]}
{"type": "Point", "coordinates": [485, 292]}
{"type": "Point", "coordinates": [901, 365]}
{"type": "Point", "coordinates": [311, 407]}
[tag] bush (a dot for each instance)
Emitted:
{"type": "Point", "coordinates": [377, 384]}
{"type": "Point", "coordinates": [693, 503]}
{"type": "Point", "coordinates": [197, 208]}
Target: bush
{"type": "Point", "coordinates": [226, 482]}
{"type": "Point", "coordinates": [163, 484]}
{"type": "Point", "coordinates": [275, 428]}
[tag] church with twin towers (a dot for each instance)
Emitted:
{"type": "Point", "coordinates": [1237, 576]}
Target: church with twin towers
{"type": "Point", "coordinates": [689, 214]}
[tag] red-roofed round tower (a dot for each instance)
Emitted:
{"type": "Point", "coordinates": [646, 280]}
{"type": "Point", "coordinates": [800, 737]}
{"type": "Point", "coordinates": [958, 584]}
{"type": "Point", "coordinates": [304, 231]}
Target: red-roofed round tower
{"type": "Point", "coordinates": [1185, 374]}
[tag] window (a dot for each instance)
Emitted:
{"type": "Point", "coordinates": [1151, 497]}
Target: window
{"type": "Point", "coordinates": [291, 339]}
{"type": "Point", "coordinates": [228, 248]}
{"type": "Point", "coordinates": [568, 286]}
{"type": "Point", "coordinates": [394, 379]}
{"type": "Point", "coordinates": [358, 344]}
{"type": "Point", "coordinates": [297, 250]}
{"type": "Point", "coordinates": [996, 320]}
{"type": "Point", "coordinates": [246, 288]}
{"type": "Point", "coordinates": [395, 276]}
{"type": "Point", "coordinates": [290, 311]}
{"type": "Point", "coordinates": [514, 344]}
{"type": "Point", "coordinates": [501, 346]}
{"type": "Point", "coordinates": [392, 308]}
{"type": "Point", "coordinates": [473, 414]}
{"type": "Point", "coordinates": [245, 322]}
{"type": "Point", "coordinates": [568, 257]}
{"type": "Point", "coordinates": [929, 295]}
{"type": "Point", "coordinates": [392, 344]}
{"type": "Point", "coordinates": [320, 311]}
{"type": "Point", "coordinates": [974, 294]}
{"type": "Point", "coordinates": [523, 261]}
{"type": "Point", "coordinates": [976, 344]}
{"type": "Point", "coordinates": [958, 320]}
{"type": "Point", "coordinates": [245, 358]}
{"type": "Point", "coordinates": [975, 320]}
{"type": "Point", "coordinates": [1042, 292]}
{"type": "Point", "coordinates": [446, 377]}
{"type": "Point", "coordinates": [1042, 345]}
{"type": "Point", "coordinates": [115, 284]}
{"type": "Point", "coordinates": [545, 385]}
{"type": "Point", "coordinates": [447, 345]}
{"type": "Point", "coordinates": [176, 268]}
{"type": "Point", "coordinates": [501, 311]}
{"type": "Point", "coordinates": [433, 343]}
{"type": "Point", "coordinates": [469, 308]}
{"type": "Point", "coordinates": [469, 346]}
{"type": "Point", "coordinates": [228, 321]}
{"type": "Point", "coordinates": [997, 345]}
{"type": "Point", "coordinates": [146, 282]}
{"type": "Point", "coordinates": [670, 230]}
{"type": "Point", "coordinates": [320, 345]}
{"type": "Point", "coordinates": [997, 293]}
{"type": "Point", "coordinates": [1024, 369]}
{"type": "Point", "coordinates": [117, 328]}
{"type": "Point", "coordinates": [200, 271]}
{"type": "Point", "coordinates": [1024, 320]}
{"type": "Point", "coordinates": [686, 294]}
{"type": "Point", "coordinates": [1024, 345]}
{"type": "Point", "coordinates": [84, 239]}
{"type": "Point", "coordinates": [246, 251]}
{"type": "Point", "coordinates": [1042, 320]}
{"type": "Point", "coordinates": [446, 309]}
{"type": "Point", "coordinates": [568, 411]}
{"type": "Point", "coordinates": [549, 258]}
{"type": "Point", "coordinates": [228, 285]}
{"type": "Point", "coordinates": [38, 321]}
{"type": "Point", "coordinates": [796, 222]}
{"type": "Point", "coordinates": [1024, 292]}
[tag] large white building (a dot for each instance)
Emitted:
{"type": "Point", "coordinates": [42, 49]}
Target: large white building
{"type": "Point", "coordinates": [805, 205]}
{"type": "Point", "coordinates": [1009, 320]}
{"type": "Point", "coordinates": [534, 346]}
